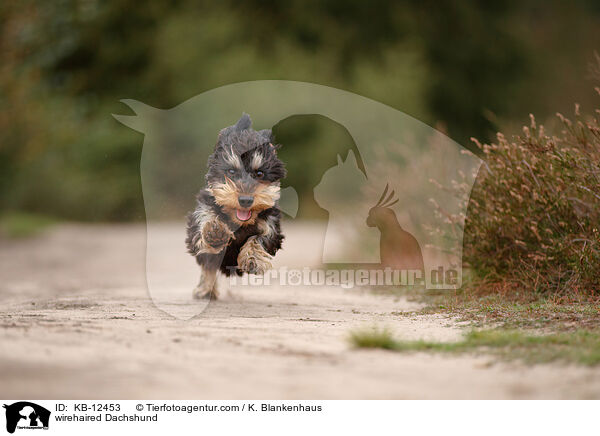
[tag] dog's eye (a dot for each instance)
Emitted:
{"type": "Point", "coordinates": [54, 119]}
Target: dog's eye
{"type": "Point", "coordinates": [259, 174]}
{"type": "Point", "coordinates": [231, 171]}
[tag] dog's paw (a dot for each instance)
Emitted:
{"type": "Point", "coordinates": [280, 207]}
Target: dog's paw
{"type": "Point", "coordinates": [254, 265]}
{"type": "Point", "coordinates": [216, 234]}
{"type": "Point", "coordinates": [205, 290]}
{"type": "Point", "coordinates": [253, 259]}
{"type": "Point", "coordinates": [201, 293]}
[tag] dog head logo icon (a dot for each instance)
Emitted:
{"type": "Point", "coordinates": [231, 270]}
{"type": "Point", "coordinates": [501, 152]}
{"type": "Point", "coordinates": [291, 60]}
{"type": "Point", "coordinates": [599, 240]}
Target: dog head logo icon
{"type": "Point", "coordinates": [26, 415]}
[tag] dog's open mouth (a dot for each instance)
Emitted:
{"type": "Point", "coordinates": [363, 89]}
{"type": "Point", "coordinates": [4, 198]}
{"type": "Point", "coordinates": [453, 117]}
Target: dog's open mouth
{"type": "Point", "coordinates": [243, 215]}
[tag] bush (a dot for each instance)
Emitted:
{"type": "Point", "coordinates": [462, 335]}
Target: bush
{"type": "Point", "coordinates": [534, 214]}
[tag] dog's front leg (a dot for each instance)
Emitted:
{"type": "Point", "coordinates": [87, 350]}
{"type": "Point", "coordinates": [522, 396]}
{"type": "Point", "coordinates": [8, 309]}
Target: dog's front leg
{"type": "Point", "coordinates": [253, 258]}
{"type": "Point", "coordinates": [207, 286]}
{"type": "Point", "coordinates": [256, 254]}
{"type": "Point", "coordinates": [206, 233]}
{"type": "Point", "coordinates": [215, 235]}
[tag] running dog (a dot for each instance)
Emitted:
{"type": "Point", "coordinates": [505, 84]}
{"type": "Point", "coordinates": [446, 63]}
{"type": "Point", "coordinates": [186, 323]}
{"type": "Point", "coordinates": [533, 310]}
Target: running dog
{"type": "Point", "coordinates": [235, 227]}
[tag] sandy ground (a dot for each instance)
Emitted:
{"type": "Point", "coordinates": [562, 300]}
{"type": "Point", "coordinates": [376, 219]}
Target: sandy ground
{"type": "Point", "coordinates": [76, 321]}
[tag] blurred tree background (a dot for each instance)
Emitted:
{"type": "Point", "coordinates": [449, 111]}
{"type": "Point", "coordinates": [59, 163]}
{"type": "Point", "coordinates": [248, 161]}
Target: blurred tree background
{"type": "Point", "coordinates": [469, 68]}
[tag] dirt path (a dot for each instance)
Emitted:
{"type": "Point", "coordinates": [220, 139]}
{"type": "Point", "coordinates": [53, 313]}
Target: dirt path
{"type": "Point", "coordinates": [76, 322]}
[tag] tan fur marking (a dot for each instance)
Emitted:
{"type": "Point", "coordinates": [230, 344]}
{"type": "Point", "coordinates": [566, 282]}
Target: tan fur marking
{"type": "Point", "coordinates": [226, 195]}
{"type": "Point", "coordinates": [232, 159]}
{"type": "Point", "coordinates": [257, 161]}
{"type": "Point", "coordinates": [265, 196]}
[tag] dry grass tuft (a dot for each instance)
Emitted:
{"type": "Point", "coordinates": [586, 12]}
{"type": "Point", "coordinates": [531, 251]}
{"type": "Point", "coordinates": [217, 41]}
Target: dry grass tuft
{"type": "Point", "coordinates": [533, 223]}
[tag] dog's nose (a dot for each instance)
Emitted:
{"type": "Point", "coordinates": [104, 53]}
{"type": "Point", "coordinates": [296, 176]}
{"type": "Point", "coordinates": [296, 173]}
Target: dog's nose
{"type": "Point", "coordinates": [245, 200]}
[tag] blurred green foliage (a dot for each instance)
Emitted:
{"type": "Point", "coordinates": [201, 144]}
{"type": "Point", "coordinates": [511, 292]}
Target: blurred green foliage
{"type": "Point", "coordinates": [466, 67]}
{"type": "Point", "coordinates": [22, 225]}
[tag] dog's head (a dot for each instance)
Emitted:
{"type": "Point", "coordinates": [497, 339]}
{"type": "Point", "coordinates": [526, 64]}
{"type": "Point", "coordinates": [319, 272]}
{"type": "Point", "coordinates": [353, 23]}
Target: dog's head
{"type": "Point", "coordinates": [244, 171]}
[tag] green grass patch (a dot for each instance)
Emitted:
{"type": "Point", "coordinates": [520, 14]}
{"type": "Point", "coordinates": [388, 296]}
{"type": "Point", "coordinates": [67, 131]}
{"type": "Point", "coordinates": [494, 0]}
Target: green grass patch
{"type": "Point", "coordinates": [373, 338]}
{"type": "Point", "coordinates": [580, 347]}
{"type": "Point", "coordinates": [22, 225]}
{"type": "Point", "coordinates": [517, 309]}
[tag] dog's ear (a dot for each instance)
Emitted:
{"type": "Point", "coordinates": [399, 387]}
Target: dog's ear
{"type": "Point", "coordinates": [267, 135]}
{"type": "Point", "coordinates": [269, 138]}
{"type": "Point", "coordinates": [243, 123]}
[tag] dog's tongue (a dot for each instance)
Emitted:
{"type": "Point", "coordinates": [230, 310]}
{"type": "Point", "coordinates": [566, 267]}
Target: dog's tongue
{"type": "Point", "coordinates": [243, 215]}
